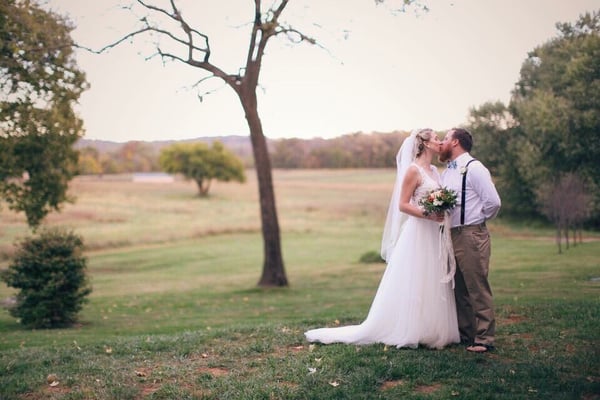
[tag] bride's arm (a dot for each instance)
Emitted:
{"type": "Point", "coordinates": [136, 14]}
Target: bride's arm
{"type": "Point", "coordinates": [411, 180]}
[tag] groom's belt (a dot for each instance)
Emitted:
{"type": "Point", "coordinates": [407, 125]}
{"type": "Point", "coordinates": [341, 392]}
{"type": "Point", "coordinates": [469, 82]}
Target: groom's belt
{"type": "Point", "coordinates": [468, 227]}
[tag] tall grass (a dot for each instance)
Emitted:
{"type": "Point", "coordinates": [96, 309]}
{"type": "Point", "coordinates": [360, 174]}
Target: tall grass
{"type": "Point", "coordinates": [176, 314]}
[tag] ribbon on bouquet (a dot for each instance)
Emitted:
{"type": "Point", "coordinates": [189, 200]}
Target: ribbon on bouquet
{"type": "Point", "coordinates": [447, 260]}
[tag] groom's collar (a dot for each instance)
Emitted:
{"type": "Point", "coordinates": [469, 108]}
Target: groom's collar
{"type": "Point", "coordinates": [463, 159]}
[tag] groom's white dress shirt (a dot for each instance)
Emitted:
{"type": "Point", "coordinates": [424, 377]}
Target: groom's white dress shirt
{"type": "Point", "coordinates": [481, 198]}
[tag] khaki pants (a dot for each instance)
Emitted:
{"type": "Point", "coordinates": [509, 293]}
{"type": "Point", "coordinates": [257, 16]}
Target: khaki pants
{"type": "Point", "coordinates": [474, 303]}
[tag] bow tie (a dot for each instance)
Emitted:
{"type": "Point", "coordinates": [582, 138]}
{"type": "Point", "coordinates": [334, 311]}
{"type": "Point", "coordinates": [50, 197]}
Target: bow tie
{"type": "Point", "coordinates": [452, 164]}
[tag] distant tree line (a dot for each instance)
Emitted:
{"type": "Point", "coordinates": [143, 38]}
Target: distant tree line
{"type": "Point", "coordinates": [134, 156]}
{"type": "Point", "coordinates": [356, 150]}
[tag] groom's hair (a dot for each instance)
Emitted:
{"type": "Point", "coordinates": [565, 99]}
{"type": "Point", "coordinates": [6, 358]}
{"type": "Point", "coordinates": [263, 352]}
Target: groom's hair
{"type": "Point", "coordinates": [464, 138]}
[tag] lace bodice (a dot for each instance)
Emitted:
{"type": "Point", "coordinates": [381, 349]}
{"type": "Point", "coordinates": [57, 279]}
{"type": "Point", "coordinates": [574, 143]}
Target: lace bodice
{"type": "Point", "coordinates": [427, 184]}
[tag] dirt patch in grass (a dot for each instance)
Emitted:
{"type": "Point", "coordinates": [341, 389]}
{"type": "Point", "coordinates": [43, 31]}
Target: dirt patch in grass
{"type": "Point", "coordinates": [296, 348]}
{"type": "Point", "coordinates": [47, 392]}
{"type": "Point", "coordinates": [513, 319]}
{"type": "Point", "coordinates": [289, 385]}
{"type": "Point", "coordinates": [148, 389]}
{"type": "Point", "coordinates": [427, 389]}
{"type": "Point", "coordinates": [214, 371]}
{"type": "Point", "coordinates": [142, 372]}
{"type": "Point", "coordinates": [570, 349]}
{"type": "Point", "coordinates": [391, 384]}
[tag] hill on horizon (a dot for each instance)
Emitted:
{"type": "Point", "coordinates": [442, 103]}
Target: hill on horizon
{"type": "Point", "coordinates": [240, 145]}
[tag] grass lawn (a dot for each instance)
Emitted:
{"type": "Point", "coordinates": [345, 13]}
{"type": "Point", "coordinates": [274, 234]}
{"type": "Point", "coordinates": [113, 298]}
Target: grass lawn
{"type": "Point", "coordinates": [176, 314]}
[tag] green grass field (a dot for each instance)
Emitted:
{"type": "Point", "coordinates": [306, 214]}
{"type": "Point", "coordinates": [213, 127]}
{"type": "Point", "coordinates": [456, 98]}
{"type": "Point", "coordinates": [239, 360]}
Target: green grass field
{"type": "Point", "coordinates": [176, 313]}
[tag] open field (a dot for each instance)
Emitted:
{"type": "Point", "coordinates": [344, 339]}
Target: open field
{"type": "Point", "coordinates": [175, 312]}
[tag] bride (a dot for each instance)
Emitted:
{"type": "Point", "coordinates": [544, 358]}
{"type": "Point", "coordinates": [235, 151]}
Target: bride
{"type": "Point", "coordinates": [414, 304]}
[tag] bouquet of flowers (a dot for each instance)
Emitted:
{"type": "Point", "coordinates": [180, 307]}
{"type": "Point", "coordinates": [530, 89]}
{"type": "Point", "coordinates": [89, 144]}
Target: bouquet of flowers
{"type": "Point", "coordinates": [438, 201]}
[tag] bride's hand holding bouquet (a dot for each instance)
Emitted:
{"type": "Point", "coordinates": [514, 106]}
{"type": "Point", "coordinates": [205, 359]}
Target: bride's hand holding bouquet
{"type": "Point", "coordinates": [438, 202]}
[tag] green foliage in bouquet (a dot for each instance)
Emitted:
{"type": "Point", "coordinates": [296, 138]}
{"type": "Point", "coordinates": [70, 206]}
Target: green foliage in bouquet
{"type": "Point", "coordinates": [50, 272]}
{"type": "Point", "coordinates": [438, 201]}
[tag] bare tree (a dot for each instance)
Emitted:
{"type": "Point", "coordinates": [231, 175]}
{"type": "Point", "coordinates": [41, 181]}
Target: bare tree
{"type": "Point", "coordinates": [565, 202]}
{"type": "Point", "coordinates": [579, 204]}
{"type": "Point", "coordinates": [194, 49]}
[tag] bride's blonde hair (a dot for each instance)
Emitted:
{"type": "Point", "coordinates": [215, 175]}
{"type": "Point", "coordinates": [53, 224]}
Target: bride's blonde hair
{"type": "Point", "coordinates": [422, 136]}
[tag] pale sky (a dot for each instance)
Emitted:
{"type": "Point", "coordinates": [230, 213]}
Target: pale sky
{"type": "Point", "coordinates": [381, 72]}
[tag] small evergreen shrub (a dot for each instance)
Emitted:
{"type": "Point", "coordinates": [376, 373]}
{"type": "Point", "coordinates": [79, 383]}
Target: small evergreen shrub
{"type": "Point", "coordinates": [371, 257]}
{"type": "Point", "coordinates": [50, 272]}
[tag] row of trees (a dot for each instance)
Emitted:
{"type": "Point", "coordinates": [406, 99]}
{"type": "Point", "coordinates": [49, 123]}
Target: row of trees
{"type": "Point", "coordinates": [356, 150]}
{"type": "Point", "coordinates": [132, 156]}
{"type": "Point", "coordinates": [544, 146]}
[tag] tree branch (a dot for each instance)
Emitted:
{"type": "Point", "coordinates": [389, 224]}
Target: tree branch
{"type": "Point", "coordinates": [302, 37]}
{"type": "Point", "coordinates": [114, 44]}
{"type": "Point", "coordinates": [261, 32]}
{"type": "Point", "coordinates": [279, 10]}
{"type": "Point", "coordinates": [175, 15]}
{"type": "Point", "coordinates": [231, 80]}
{"type": "Point", "coordinates": [207, 92]}
{"type": "Point", "coordinates": [189, 31]}
{"type": "Point", "coordinates": [255, 30]}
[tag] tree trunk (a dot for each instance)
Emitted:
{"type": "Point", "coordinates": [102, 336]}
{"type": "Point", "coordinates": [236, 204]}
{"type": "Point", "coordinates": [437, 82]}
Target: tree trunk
{"type": "Point", "coordinates": [273, 273]}
{"type": "Point", "coordinates": [202, 188]}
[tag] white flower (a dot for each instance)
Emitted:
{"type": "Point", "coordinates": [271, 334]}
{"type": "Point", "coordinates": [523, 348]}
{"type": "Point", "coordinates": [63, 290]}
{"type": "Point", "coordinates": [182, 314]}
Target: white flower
{"type": "Point", "coordinates": [463, 170]}
{"type": "Point", "coordinates": [437, 202]}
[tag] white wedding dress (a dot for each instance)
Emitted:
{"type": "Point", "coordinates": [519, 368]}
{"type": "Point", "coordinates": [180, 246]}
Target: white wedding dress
{"type": "Point", "coordinates": [413, 305]}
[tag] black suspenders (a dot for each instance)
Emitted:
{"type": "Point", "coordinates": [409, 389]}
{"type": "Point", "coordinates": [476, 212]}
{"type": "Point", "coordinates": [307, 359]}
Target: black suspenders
{"type": "Point", "coordinates": [462, 201]}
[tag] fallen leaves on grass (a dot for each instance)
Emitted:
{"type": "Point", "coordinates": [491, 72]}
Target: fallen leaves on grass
{"type": "Point", "coordinates": [52, 380]}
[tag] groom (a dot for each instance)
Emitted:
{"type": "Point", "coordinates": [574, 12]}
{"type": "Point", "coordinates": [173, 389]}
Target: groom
{"type": "Point", "coordinates": [477, 202]}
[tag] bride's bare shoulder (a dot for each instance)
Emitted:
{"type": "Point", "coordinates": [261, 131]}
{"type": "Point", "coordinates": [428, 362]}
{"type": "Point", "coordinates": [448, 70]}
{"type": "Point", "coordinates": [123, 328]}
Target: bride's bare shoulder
{"type": "Point", "coordinates": [412, 175]}
{"type": "Point", "coordinates": [413, 169]}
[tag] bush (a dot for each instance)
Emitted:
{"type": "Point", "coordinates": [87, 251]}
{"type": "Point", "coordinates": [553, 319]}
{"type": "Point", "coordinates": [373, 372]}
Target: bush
{"type": "Point", "coordinates": [371, 257]}
{"type": "Point", "coordinates": [50, 271]}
